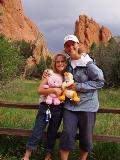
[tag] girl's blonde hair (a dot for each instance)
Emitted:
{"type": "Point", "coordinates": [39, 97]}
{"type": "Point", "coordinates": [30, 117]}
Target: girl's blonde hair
{"type": "Point", "coordinates": [54, 61]}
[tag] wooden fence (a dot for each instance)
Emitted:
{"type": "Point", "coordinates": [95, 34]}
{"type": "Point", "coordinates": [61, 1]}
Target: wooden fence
{"type": "Point", "coordinates": [27, 132]}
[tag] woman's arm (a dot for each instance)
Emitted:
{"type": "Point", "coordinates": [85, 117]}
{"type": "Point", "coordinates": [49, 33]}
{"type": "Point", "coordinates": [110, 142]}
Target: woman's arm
{"type": "Point", "coordinates": [96, 79]}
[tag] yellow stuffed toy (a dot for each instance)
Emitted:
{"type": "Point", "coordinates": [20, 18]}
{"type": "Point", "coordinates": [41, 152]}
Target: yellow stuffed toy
{"type": "Point", "coordinates": [66, 91]}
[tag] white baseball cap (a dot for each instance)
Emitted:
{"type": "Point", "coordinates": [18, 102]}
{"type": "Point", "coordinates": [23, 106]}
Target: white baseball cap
{"type": "Point", "coordinates": [71, 38]}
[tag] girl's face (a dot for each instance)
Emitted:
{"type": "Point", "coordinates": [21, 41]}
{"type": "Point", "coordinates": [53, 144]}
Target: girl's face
{"type": "Point", "coordinates": [60, 63]}
{"type": "Point", "coordinates": [71, 48]}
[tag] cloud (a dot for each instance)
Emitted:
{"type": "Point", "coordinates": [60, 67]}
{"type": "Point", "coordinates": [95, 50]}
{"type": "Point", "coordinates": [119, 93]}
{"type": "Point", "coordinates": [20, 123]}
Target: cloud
{"type": "Point", "coordinates": [57, 18]}
{"type": "Point", "coordinates": [55, 31]}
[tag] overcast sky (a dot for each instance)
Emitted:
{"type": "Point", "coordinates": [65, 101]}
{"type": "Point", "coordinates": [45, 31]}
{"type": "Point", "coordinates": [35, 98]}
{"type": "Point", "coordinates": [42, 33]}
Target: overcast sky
{"type": "Point", "coordinates": [56, 18]}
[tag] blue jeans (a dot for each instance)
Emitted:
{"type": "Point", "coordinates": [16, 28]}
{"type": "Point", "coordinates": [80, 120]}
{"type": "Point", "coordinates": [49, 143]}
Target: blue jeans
{"type": "Point", "coordinates": [40, 125]}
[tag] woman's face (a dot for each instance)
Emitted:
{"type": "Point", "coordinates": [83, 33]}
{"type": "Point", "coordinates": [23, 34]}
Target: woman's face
{"type": "Point", "coordinates": [60, 63]}
{"type": "Point", "coordinates": [71, 48]}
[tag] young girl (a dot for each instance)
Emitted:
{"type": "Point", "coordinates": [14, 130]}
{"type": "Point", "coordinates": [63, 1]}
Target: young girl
{"type": "Point", "coordinates": [59, 66]}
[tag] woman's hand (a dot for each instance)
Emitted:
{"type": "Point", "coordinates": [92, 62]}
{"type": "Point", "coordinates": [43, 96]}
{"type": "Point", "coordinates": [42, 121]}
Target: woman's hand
{"type": "Point", "coordinates": [72, 87]}
{"type": "Point", "coordinates": [46, 74]}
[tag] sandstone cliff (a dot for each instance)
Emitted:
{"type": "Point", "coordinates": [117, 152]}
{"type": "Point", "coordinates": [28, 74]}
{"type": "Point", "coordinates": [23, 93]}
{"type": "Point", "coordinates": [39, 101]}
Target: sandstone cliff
{"type": "Point", "coordinates": [16, 26]}
{"type": "Point", "coordinates": [88, 32]}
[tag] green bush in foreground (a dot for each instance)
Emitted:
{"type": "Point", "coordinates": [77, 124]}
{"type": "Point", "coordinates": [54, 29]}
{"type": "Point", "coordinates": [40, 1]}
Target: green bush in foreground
{"type": "Point", "coordinates": [9, 60]}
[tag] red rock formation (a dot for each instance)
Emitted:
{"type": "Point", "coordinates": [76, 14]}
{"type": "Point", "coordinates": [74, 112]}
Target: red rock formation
{"type": "Point", "coordinates": [1, 1]}
{"type": "Point", "coordinates": [16, 26]}
{"type": "Point", "coordinates": [88, 32]}
{"type": "Point", "coordinates": [105, 34]}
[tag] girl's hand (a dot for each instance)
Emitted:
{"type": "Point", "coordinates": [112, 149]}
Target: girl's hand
{"type": "Point", "coordinates": [57, 91]}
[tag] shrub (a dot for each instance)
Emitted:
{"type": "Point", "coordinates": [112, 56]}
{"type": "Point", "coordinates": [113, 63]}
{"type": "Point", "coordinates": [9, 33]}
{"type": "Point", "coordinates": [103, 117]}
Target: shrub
{"type": "Point", "coordinates": [25, 49]}
{"type": "Point", "coordinates": [9, 60]}
{"type": "Point", "coordinates": [38, 71]}
{"type": "Point", "coordinates": [48, 62]}
{"type": "Point", "coordinates": [108, 59]}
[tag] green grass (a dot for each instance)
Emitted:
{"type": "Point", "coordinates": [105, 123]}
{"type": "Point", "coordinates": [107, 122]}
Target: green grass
{"type": "Point", "coordinates": [21, 91]}
{"type": "Point", "coordinates": [25, 91]}
{"type": "Point", "coordinates": [109, 98]}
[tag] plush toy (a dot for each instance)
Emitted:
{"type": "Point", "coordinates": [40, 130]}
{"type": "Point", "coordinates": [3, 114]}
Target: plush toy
{"type": "Point", "coordinates": [66, 91]}
{"type": "Point", "coordinates": [54, 80]}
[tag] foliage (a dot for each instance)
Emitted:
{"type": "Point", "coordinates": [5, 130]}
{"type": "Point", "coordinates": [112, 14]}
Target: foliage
{"type": "Point", "coordinates": [13, 59]}
{"type": "Point", "coordinates": [102, 151]}
{"type": "Point", "coordinates": [48, 61]}
{"type": "Point", "coordinates": [25, 48]}
{"type": "Point", "coordinates": [43, 64]}
{"type": "Point", "coordinates": [9, 60]}
{"type": "Point", "coordinates": [108, 59]}
{"type": "Point", "coordinates": [40, 68]}
{"type": "Point", "coordinates": [13, 148]}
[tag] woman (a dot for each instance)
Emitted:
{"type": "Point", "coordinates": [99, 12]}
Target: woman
{"type": "Point", "coordinates": [88, 79]}
{"type": "Point", "coordinates": [59, 66]}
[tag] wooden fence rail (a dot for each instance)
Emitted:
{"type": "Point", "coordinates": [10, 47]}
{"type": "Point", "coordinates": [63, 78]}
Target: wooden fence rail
{"type": "Point", "coordinates": [27, 132]}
